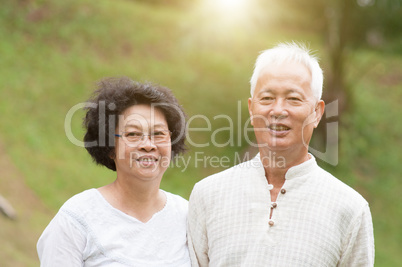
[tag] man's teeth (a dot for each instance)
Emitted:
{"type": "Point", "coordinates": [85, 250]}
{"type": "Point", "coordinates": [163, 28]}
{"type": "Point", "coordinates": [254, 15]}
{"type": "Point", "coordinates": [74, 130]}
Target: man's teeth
{"type": "Point", "coordinates": [279, 128]}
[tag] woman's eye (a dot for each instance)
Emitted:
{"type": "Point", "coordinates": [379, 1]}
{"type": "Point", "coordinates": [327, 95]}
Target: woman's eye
{"type": "Point", "coordinates": [158, 133]}
{"type": "Point", "coordinates": [131, 134]}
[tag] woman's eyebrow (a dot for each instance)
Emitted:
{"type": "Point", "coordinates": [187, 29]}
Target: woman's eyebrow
{"type": "Point", "coordinates": [160, 125]}
{"type": "Point", "coordinates": [139, 127]}
{"type": "Point", "coordinates": [132, 126]}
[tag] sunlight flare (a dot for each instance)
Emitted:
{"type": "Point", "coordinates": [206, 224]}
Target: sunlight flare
{"type": "Point", "coordinates": [229, 5]}
{"type": "Point", "coordinates": [228, 8]}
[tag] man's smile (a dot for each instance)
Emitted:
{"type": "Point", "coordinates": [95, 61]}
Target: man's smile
{"type": "Point", "coordinates": [278, 127]}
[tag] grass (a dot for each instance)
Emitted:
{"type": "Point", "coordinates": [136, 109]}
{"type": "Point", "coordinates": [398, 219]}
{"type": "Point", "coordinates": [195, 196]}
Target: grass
{"type": "Point", "coordinates": [53, 52]}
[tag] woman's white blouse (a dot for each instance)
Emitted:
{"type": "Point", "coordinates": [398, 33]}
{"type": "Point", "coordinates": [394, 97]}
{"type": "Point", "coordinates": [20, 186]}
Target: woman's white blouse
{"type": "Point", "coordinates": [88, 231]}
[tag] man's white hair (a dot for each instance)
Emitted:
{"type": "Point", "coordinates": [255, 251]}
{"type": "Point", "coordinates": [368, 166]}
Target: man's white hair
{"type": "Point", "coordinates": [290, 52]}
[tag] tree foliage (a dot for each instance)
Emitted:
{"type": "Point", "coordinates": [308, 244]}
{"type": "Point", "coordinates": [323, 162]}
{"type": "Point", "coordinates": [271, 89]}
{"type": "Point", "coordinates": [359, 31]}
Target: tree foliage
{"type": "Point", "coordinates": [345, 24]}
{"type": "Point", "coordinates": [354, 20]}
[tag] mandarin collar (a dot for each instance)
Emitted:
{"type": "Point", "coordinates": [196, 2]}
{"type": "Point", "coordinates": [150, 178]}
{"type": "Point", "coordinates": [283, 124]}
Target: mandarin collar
{"type": "Point", "coordinates": [293, 172]}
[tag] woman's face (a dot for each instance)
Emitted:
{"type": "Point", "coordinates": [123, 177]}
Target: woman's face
{"type": "Point", "coordinates": [143, 150]}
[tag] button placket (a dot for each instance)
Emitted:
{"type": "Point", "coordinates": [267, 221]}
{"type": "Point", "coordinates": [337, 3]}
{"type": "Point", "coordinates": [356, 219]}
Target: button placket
{"type": "Point", "coordinates": [271, 222]}
{"type": "Point", "coordinates": [274, 205]}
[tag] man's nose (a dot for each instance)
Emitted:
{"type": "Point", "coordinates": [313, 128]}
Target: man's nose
{"type": "Point", "coordinates": [279, 109]}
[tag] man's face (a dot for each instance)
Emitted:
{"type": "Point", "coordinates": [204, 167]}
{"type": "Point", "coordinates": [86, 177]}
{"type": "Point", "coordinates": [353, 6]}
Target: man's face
{"type": "Point", "coordinates": [283, 109]}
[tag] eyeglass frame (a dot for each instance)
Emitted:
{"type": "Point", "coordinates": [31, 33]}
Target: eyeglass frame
{"type": "Point", "coordinates": [143, 136]}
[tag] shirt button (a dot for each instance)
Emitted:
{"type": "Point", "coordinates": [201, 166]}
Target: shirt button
{"type": "Point", "coordinates": [271, 223]}
{"type": "Point", "coordinates": [270, 186]}
{"type": "Point", "coordinates": [283, 191]}
{"type": "Point", "coordinates": [274, 205]}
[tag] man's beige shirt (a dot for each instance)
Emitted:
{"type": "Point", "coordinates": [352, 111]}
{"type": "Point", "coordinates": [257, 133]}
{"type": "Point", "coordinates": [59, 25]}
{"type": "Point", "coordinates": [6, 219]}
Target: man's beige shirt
{"type": "Point", "coordinates": [317, 220]}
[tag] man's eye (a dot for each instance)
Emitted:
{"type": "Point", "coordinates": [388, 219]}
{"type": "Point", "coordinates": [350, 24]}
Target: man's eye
{"type": "Point", "coordinates": [267, 98]}
{"type": "Point", "coordinates": [296, 101]}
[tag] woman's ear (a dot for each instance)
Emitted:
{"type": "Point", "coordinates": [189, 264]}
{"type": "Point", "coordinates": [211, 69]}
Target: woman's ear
{"type": "Point", "coordinates": [112, 155]}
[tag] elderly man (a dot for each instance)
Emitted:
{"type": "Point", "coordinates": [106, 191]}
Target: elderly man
{"type": "Point", "coordinates": [281, 211]}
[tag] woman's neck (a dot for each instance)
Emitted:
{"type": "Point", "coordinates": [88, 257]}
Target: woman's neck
{"type": "Point", "coordinates": [139, 200]}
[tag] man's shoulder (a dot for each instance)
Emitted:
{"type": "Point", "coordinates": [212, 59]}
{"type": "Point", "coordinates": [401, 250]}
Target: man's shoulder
{"type": "Point", "coordinates": [232, 174]}
{"type": "Point", "coordinates": [339, 188]}
{"type": "Point", "coordinates": [221, 184]}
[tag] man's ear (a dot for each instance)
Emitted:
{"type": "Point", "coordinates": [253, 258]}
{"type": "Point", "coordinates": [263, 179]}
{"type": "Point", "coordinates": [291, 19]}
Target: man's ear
{"type": "Point", "coordinates": [319, 111]}
{"type": "Point", "coordinates": [250, 103]}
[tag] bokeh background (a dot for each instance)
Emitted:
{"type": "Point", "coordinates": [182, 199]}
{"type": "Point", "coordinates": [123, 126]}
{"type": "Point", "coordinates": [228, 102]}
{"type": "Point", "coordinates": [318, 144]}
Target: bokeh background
{"type": "Point", "coordinates": [53, 52]}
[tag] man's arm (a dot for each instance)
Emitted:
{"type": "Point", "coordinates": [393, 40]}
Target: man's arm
{"type": "Point", "coordinates": [196, 230]}
{"type": "Point", "coordinates": [359, 248]}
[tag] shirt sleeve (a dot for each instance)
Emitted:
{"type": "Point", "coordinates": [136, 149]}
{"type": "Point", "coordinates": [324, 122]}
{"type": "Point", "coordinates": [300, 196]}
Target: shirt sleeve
{"type": "Point", "coordinates": [61, 243]}
{"type": "Point", "coordinates": [197, 236]}
{"type": "Point", "coordinates": [359, 246]}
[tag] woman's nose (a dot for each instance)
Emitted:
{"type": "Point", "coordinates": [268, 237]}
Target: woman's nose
{"type": "Point", "coordinates": [146, 143]}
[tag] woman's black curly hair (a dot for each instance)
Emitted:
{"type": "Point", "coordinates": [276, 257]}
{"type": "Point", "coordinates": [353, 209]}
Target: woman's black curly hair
{"type": "Point", "coordinates": [112, 97]}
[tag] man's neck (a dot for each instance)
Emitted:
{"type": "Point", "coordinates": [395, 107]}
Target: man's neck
{"type": "Point", "coordinates": [277, 163]}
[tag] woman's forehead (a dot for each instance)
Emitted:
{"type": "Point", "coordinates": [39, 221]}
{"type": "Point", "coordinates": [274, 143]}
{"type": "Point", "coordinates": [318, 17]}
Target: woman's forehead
{"type": "Point", "coordinates": [142, 117]}
{"type": "Point", "coordinates": [143, 125]}
{"type": "Point", "coordinates": [143, 112]}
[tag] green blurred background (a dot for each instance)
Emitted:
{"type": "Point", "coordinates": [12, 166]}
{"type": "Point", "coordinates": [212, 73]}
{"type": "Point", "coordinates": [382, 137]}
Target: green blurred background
{"type": "Point", "coordinates": [52, 53]}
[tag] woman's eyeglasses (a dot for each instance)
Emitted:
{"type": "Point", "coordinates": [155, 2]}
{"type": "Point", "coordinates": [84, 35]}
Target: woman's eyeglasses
{"type": "Point", "coordinates": [157, 137]}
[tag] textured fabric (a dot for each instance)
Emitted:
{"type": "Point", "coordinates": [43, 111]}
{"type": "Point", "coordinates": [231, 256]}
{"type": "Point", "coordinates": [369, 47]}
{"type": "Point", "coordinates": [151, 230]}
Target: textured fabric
{"type": "Point", "coordinates": [88, 231]}
{"type": "Point", "coordinates": [318, 220]}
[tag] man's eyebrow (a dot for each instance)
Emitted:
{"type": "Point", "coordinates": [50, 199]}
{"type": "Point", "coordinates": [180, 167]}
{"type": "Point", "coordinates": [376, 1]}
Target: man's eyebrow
{"type": "Point", "coordinates": [290, 91]}
{"type": "Point", "coordinates": [287, 91]}
{"type": "Point", "coordinates": [265, 90]}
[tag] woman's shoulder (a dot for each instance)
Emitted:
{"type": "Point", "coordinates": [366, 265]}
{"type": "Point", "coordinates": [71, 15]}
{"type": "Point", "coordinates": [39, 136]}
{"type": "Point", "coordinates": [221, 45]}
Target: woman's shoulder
{"type": "Point", "coordinates": [70, 216]}
{"type": "Point", "coordinates": [177, 202]}
{"type": "Point", "coordinates": [80, 202]}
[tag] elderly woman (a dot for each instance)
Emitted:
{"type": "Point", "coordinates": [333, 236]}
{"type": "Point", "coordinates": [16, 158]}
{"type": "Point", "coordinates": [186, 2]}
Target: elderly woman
{"type": "Point", "coordinates": [133, 129]}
